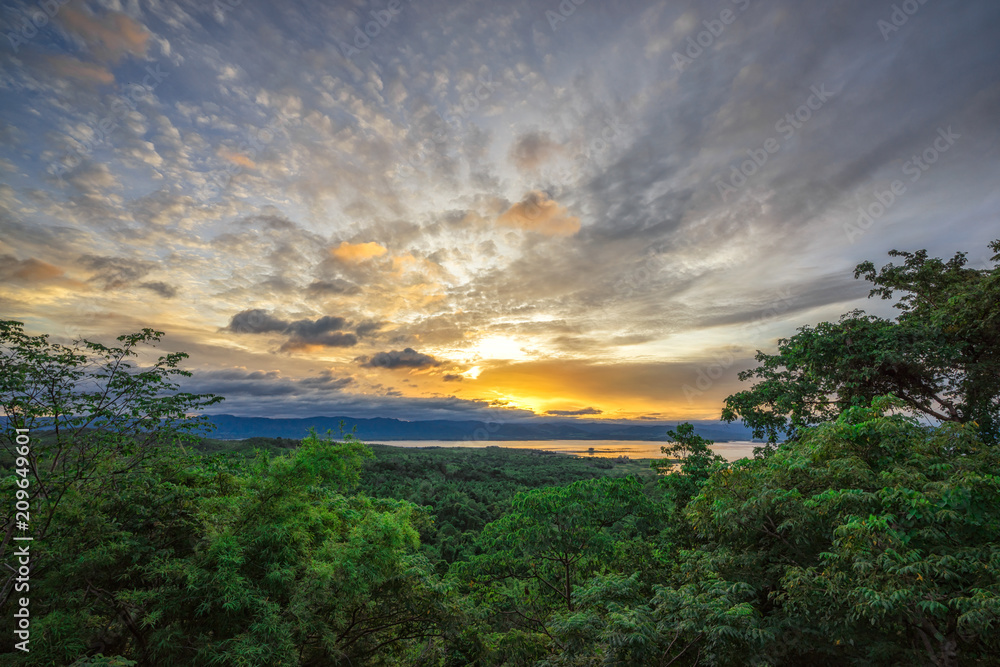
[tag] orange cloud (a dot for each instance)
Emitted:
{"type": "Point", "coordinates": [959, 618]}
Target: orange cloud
{"type": "Point", "coordinates": [65, 66]}
{"type": "Point", "coordinates": [356, 253]}
{"type": "Point", "coordinates": [622, 389]}
{"type": "Point", "coordinates": [238, 159]}
{"type": "Point", "coordinates": [537, 213]}
{"type": "Point", "coordinates": [110, 37]}
{"type": "Point", "coordinates": [35, 270]}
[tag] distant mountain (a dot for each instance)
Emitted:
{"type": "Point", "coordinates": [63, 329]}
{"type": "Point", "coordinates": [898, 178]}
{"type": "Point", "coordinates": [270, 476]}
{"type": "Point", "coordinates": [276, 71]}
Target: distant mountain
{"type": "Point", "coordinates": [381, 429]}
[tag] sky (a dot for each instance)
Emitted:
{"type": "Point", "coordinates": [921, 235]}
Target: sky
{"type": "Point", "coordinates": [483, 209]}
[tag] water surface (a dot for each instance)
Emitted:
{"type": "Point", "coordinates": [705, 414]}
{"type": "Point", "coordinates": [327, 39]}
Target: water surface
{"type": "Point", "coordinates": [635, 449]}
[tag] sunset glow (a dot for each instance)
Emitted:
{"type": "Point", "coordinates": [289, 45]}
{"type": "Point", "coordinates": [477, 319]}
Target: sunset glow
{"type": "Point", "coordinates": [484, 208]}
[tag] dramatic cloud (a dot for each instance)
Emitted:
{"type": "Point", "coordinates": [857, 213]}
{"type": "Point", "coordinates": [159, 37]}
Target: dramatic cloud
{"type": "Point", "coordinates": [357, 252]}
{"type": "Point", "coordinates": [574, 413]}
{"type": "Point", "coordinates": [161, 288]}
{"type": "Point", "coordinates": [302, 334]}
{"type": "Point", "coordinates": [538, 213]}
{"type": "Point", "coordinates": [533, 149]}
{"type": "Point", "coordinates": [313, 328]}
{"type": "Point", "coordinates": [408, 358]}
{"type": "Point", "coordinates": [256, 320]}
{"type": "Point", "coordinates": [235, 384]}
{"type": "Point", "coordinates": [558, 216]}
{"type": "Point", "coordinates": [116, 272]}
{"type": "Point", "coordinates": [335, 287]}
{"type": "Point", "coordinates": [108, 37]}
{"type": "Point", "coordinates": [27, 270]}
{"type": "Point", "coordinates": [335, 339]}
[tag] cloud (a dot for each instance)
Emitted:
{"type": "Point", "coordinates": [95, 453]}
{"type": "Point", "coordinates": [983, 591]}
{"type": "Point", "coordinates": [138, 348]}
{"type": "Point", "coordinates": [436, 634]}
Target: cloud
{"type": "Point", "coordinates": [407, 358]}
{"type": "Point", "coordinates": [355, 253]}
{"type": "Point", "coordinates": [537, 213]}
{"type": "Point", "coordinates": [116, 272]}
{"type": "Point", "coordinates": [28, 270]}
{"type": "Point", "coordinates": [69, 67]}
{"type": "Point", "coordinates": [452, 377]}
{"type": "Point", "coordinates": [335, 339]}
{"type": "Point", "coordinates": [109, 37]}
{"type": "Point", "coordinates": [161, 288]}
{"type": "Point", "coordinates": [318, 327]}
{"type": "Point", "coordinates": [93, 179]}
{"type": "Point", "coordinates": [368, 328]}
{"type": "Point", "coordinates": [254, 321]}
{"type": "Point", "coordinates": [573, 413]}
{"type": "Point", "coordinates": [326, 381]}
{"type": "Point", "coordinates": [235, 383]}
{"type": "Point", "coordinates": [530, 150]}
{"type": "Point", "coordinates": [303, 335]}
{"type": "Point", "coordinates": [337, 286]}
{"type": "Point", "coordinates": [643, 259]}
{"type": "Point", "coordinates": [239, 159]}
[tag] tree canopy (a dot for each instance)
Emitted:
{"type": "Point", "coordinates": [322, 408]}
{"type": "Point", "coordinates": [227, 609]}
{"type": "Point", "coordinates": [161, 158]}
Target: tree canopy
{"type": "Point", "coordinates": [870, 536]}
{"type": "Point", "coordinates": [940, 355]}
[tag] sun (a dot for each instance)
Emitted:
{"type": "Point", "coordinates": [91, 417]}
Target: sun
{"type": "Point", "coordinates": [499, 347]}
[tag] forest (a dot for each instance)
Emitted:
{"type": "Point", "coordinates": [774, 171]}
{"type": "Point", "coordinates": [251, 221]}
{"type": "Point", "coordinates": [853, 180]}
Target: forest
{"type": "Point", "coordinates": [865, 532]}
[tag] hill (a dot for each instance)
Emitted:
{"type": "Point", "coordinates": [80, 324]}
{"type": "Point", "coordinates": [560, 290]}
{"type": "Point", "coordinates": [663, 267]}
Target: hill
{"type": "Point", "coordinates": [382, 429]}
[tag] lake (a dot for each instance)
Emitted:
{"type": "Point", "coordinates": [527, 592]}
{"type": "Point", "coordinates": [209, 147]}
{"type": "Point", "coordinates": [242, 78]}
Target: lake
{"type": "Point", "coordinates": [635, 449]}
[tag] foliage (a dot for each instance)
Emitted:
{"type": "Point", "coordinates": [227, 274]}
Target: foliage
{"type": "Point", "coordinates": [690, 464]}
{"type": "Point", "coordinates": [871, 538]}
{"type": "Point", "coordinates": [148, 553]}
{"type": "Point", "coordinates": [467, 488]}
{"type": "Point", "coordinates": [955, 308]}
{"type": "Point", "coordinates": [533, 557]}
{"type": "Point", "coordinates": [866, 538]}
{"type": "Point", "coordinates": [107, 422]}
{"type": "Point", "coordinates": [940, 356]}
{"type": "Point", "coordinates": [273, 565]}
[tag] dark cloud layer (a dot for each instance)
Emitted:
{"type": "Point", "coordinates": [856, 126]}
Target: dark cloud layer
{"type": "Point", "coordinates": [325, 331]}
{"type": "Point", "coordinates": [407, 358]}
{"type": "Point", "coordinates": [574, 413]}
{"type": "Point", "coordinates": [116, 272]}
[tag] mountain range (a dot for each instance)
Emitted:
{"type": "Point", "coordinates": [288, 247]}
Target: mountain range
{"type": "Point", "coordinates": [383, 429]}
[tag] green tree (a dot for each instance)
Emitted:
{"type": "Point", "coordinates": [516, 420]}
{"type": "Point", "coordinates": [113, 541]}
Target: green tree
{"type": "Point", "coordinates": [533, 558]}
{"type": "Point", "coordinates": [690, 464]}
{"type": "Point", "coordinates": [870, 539]}
{"type": "Point", "coordinates": [148, 553]}
{"type": "Point", "coordinates": [96, 420]}
{"type": "Point", "coordinates": [956, 310]}
{"type": "Point", "coordinates": [940, 356]}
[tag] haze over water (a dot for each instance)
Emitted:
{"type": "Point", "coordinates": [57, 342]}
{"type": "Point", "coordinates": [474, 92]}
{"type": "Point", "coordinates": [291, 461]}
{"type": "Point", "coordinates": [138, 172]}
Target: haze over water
{"type": "Point", "coordinates": [601, 448]}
